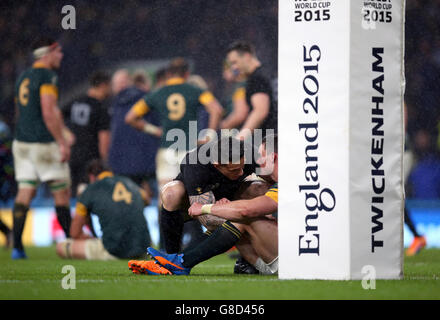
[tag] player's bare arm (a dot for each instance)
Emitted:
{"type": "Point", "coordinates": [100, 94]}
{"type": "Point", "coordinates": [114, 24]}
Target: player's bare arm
{"type": "Point", "coordinates": [134, 119]}
{"type": "Point", "coordinates": [261, 106]}
{"type": "Point", "coordinates": [69, 136]}
{"type": "Point", "coordinates": [54, 123]}
{"type": "Point", "coordinates": [243, 211]}
{"type": "Point", "coordinates": [238, 115]}
{"type": "Point", "coordinates": [210, 222]}
{"type": "Point", "coordinates": [76, 228]}
{"type": "Point", "coordinates": [215, 111]}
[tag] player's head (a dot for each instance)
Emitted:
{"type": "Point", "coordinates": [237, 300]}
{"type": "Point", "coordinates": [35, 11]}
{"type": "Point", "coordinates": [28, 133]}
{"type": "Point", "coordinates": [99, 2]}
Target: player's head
{"type": "Point", "coordinates": [100, 81]}
{"type": "Point", "coordinates": [178, 67]}
{"type": "Point", "coordinates": [48, 51]}
{"type": "Point", "coordinates": [268, 159]}
{"type": "Point", "coordinates": [228, 73]}
{"type": "Point", "coordinates": [227, 155]}
{"type": "Point", "coordinates": [141, 80]}
{"type": "Point", "coordinates": [94, 168]}
{"type": "Point", "coordinates": [120, 80]}
{"type": "Point", "coordinates": [231, 75]}
{"type": "Point", "coordinates": [241, 57]}
{"type": "Point", "coordinates": [160, 77]}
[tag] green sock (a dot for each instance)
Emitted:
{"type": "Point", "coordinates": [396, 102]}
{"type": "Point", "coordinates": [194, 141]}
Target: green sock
{"type": "Point", "coordinates": [19, 213]}
{"type": "Point", "coordinates": [221, 240]}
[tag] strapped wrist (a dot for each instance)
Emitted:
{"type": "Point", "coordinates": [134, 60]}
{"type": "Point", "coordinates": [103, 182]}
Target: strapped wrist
{"type": "Point", "coordinates": [206, 208]}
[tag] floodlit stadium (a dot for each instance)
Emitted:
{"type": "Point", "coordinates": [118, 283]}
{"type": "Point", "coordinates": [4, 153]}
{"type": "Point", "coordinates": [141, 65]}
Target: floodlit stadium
{"type": "Point", "coordinates": [139, 151]}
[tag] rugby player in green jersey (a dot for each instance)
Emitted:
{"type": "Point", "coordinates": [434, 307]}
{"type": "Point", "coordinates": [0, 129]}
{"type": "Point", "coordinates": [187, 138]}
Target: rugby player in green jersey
{"type": "Point", "coordinates": [40, 147]}
{"type": "Point", "coordinates": [119, 204]}
{"type": "Point", "coordinates": [177, 104]}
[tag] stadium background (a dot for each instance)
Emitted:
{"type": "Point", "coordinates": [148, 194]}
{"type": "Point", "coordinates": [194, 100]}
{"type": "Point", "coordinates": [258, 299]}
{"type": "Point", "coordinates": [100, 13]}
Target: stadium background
{"type": "Point", "coordinates": [135, 33]}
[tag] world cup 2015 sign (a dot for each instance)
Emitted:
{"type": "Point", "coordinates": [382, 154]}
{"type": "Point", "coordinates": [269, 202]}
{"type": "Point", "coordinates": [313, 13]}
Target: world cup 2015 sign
{"type": "Point", "coordinates": [341, 136]}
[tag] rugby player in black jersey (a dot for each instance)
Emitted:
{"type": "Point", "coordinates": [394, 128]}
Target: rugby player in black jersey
{"type": "Point", "coordinates": [242, 58]}
{"type": "Point", "coordinates": [249, 224]}
{"type": "Point", "coordinates": [204, 181]}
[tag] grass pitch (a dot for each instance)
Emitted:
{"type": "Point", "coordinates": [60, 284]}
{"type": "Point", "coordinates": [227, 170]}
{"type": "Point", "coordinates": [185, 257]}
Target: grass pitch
{"type": "Point", "coordinates": [40, 277]}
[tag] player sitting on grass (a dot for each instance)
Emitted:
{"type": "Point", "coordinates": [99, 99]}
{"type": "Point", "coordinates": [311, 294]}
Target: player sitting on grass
{"type": "Point", "coordinates": [250, 223]}
{"type": "Point", "coordinates": [119, 204]}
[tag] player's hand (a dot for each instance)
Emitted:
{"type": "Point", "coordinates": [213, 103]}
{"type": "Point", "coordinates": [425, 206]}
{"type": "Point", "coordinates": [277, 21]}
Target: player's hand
{"type": "Point", "coordinates": [69, 136]}
{"type": "Point", "coordinates": [195, 210]}
{"type": "Point", "coordinates": [65, 151]}
{"type": "Point", "coordinates": [222, 201]}
{"type": "Point", "coordinates": [159, 132]}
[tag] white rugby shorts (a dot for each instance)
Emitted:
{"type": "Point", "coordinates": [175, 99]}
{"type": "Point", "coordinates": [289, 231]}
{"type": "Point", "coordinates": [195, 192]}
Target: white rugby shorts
{"type": "Point", "coordinates": [39, 162]}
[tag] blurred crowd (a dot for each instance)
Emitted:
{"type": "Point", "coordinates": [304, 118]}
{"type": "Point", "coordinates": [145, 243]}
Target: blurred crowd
{"type": "Point", "coordinates": [109, 32]}
{"type": "Point", "coordinates": [422, 95]}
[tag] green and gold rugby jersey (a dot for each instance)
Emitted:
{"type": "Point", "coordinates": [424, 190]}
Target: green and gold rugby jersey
{"type": "Point", "coordinates": [177, 104]}
{"type": "Point", "coordinates": [31, 84]}
{"type": "Point", "coordinates": [273, 194]}
{"type": "Point", "coordinates": [119, 205]}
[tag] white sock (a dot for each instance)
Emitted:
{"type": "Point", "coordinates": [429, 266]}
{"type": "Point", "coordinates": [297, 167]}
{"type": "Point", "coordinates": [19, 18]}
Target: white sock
{"type": "Point", "coordinates": [267, 268]}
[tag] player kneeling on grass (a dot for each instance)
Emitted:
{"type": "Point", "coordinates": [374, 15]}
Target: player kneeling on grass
{"type": "Point", "coordinates": [251, 223]}
{"type": "Point", "coordinates": [119, 204]}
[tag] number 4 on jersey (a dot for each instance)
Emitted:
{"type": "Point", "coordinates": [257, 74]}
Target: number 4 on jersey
{"type": "Point", "coordinates": [120, 193]}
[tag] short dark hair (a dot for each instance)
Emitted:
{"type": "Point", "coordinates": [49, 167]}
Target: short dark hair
{"type": "Point", "coordinates": [160, 74]}
{"type": "Point", "coordinates": [96, 166]}
{"type": "Point", "coordinates": [270, 142]}
{"type": "Point", "coordinates": [42, 41]}
{"type": "Point", "coordinates": [140, 78]}
{"type": "Point", "coordinates": [241, 47]}
{"type": "Point", "coordinates": [227, 150]}
{"type": "Point", "coordinates": [178, 66]}
{"type": "Point", "coordinates": [98, 78]}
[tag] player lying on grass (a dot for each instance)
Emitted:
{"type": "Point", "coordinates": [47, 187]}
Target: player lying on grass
{"type": "Point", "coordinates": [251, 224]}
{"type": "Point", "coordinates": [119, 204]}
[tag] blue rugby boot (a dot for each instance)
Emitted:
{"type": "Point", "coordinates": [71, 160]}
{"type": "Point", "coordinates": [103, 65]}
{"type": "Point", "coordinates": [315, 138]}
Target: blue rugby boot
{"type": "Point", "coordinates": [172, 262]}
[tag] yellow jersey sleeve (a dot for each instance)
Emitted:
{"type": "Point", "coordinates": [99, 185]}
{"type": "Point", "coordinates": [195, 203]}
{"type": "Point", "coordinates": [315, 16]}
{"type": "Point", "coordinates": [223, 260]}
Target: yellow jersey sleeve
{"type": "Point", "coordinates": [206, 98]}
{"type": "Point", "coordinates": [239, 94]}
{"type": "Point", "coordinates": [49, 89]}
{"type": "Point", "coordinates": [273, 194]}
{"type": "Point", "coordinates": [140, 108]}
{"type": "Point", "coordinates": [81, 209]}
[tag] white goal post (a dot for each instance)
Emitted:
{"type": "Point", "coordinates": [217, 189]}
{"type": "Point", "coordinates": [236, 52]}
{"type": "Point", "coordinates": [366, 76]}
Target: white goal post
{"type": "Point", "coordinates": [341, 138]}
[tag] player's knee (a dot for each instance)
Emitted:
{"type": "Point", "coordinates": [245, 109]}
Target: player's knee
{"type": "Point", "coordinates": [240, 227]}
{"type": "Point", "coordinates": [172, 195]}
{"type": "Point", "coordinates": [60, 191]}
{"type": "Point", "coordinates": [25, 194]}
